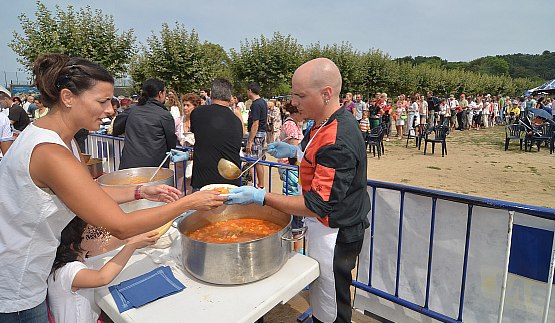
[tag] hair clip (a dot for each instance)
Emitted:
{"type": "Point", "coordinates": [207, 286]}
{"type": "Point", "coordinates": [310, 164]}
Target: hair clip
{"type": "Point", "coordinates": [62, 80]}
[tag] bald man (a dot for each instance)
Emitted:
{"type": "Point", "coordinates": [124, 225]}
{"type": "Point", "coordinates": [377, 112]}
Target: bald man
{"type": "Point", "coordinates": [333, 178]}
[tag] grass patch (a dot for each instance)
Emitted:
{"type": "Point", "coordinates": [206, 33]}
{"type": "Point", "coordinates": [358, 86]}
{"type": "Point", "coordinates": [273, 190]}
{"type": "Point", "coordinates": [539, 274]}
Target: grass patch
{"type": "Point", "coordinates": [434, 167]}
{"type": "Point", "coordinates": [404, 180]}
{"type": "Point", "coordinates": [534, 170]}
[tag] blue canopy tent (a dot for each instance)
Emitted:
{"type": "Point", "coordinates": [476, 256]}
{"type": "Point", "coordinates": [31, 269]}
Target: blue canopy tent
{"type": "Point", "coordinates": [547, 87]}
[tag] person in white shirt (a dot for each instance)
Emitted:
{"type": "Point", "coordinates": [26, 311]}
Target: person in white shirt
{"type": "Point", "coordinates": [53, 185]}
{"type": "Point", "coordinates": [360, 106]}
{"type": "Point", "coordinates": [443, 106]}
{"type": "Point", "coordinates": [453, 104]}
{"type": "Point", "coordinates": [71, 284]}
{"type": "Point", "coordinates": [478, 111]}
{"type": "Point", "coordinates": [470, 114]}
{"type": "Point", "coordinates": [6, 134]}
{"type": "Point", "coordinates": [26, 105]}
{"type": "Point", "coordinates": [486, 111]}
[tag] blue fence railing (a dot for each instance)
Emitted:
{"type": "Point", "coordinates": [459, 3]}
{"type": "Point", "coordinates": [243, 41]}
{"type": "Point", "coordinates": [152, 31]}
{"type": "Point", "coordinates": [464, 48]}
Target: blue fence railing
{"type": "Point", "coordinates": [547, 215]}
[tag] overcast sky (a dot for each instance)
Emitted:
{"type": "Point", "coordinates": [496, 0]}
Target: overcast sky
{"type": "Point", "coordinates": [456, 30]}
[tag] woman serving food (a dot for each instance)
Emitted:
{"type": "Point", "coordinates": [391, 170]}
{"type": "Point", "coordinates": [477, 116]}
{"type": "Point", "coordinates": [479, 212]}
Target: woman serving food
{"type": "Point", "coordinates": [49, 185]}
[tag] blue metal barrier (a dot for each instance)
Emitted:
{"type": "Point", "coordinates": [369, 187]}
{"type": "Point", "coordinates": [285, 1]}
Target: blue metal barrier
{"type": "Point", "coordinates": [471, 202]}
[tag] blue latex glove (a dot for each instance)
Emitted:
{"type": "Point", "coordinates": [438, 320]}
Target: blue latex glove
{"type": "Point", "coordinates": [246, 195]}
{"type": "Point", "coordinates": [178, 156]}
{"type": "Point", "coordinates": [282, 150]}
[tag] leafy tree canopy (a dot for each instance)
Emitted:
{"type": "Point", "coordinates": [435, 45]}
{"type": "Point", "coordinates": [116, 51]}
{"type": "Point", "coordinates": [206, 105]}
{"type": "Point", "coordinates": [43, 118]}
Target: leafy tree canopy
{"type": "Point", "coordinates": [179, 58]}
{"type": "Point", "coordinates": [84, 33]}
{"type": "Point", "coordinates": [268, 61]}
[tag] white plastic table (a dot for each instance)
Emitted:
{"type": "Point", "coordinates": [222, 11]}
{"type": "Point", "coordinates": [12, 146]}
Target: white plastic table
{"type": "Point", "coordinates": [204, 302]}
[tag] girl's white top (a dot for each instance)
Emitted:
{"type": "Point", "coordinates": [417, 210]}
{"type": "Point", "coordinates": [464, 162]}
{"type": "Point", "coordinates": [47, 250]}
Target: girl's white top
{"type": "Point", "coordinates": [69, 306]}
{"type": "Point", "coordinates": [31, 222]}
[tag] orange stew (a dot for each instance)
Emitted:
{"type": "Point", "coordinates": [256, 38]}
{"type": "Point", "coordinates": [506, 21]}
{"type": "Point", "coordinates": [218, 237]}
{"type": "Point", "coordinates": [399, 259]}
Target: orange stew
{"type": "Point", "coordinates": [134, 180]}
{"type": "Point", "coordinates": [222, 190]}
{"type": "Point", "coordinates": [236, 230]}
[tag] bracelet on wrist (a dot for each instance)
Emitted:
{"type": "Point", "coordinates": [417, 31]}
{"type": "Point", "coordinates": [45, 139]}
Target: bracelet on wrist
{"type": "Point", "coordinates": [138, 192]}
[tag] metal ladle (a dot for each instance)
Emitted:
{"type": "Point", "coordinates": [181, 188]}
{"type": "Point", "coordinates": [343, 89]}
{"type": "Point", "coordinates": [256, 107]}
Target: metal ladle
{"type": "Point", "coordinates": [158, 169]}
{"type": "Point", "coordinates": [230, 171]}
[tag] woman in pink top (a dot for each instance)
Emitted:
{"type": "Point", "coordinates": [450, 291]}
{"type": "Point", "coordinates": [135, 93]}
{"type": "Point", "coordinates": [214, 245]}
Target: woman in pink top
{"type": "Point", "coordinates": [292, 134]}
{"type": "Point", "coordinates": [349, 104]}
{"type": "Point", "coordinates": [186, 138]}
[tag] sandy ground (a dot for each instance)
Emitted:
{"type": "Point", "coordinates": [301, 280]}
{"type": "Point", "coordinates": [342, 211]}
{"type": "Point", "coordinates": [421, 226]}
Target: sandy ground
{"type": "Point", "coordinates": [476, 164]}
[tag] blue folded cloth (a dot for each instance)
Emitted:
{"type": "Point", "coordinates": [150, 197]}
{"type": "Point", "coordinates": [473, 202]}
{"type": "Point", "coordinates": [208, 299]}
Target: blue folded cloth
{"type": "Point", "coordinates": [146, 288]}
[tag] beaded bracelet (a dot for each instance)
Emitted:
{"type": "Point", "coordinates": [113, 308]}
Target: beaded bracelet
{"type": "Point", "coordinates": [138, 192]}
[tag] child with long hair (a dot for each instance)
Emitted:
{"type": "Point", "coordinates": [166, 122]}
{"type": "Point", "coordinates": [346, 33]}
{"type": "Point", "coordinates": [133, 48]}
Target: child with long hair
{"type": "Point", "coordinates": [71, 284]}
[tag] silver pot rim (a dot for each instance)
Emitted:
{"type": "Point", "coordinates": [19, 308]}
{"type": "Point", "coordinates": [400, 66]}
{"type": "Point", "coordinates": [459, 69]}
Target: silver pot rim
{"type": "Point", "coordinates": [149, 170]}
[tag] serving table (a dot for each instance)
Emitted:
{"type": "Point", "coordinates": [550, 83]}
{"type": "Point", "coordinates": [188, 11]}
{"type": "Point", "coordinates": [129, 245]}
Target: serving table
{"type": "Point", "coordinates": [201, 301]}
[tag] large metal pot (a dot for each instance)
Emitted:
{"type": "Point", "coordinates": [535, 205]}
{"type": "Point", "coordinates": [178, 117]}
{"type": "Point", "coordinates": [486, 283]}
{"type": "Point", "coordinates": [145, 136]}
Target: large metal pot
{"type": "Point", "coordinates": [124, 177]}
{"type": "Point", "coordinates": [235, 263]}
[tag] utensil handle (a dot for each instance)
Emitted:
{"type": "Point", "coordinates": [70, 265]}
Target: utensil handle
{"type": "Point", "coordinates": [256, 161]}
{"type": "Point", "coordinates": [301, 232]}
{"type": "Point", "coordinates": [158, 169]}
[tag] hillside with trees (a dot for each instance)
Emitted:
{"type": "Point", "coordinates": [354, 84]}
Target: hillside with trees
{"type": "Point", "coordinates": [539, 67]}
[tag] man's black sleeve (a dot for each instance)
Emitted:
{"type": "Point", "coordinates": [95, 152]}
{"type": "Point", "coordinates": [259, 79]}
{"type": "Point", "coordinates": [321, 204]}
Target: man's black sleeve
{"type": "Point", "coordinates": [119, 123]}
{"type": "Point", "coordinates": [168, 124]}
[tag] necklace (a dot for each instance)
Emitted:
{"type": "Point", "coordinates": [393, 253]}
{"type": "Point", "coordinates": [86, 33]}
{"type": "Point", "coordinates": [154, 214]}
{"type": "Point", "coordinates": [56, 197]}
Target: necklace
{"type": "Point", "coordinates": [316, 133]}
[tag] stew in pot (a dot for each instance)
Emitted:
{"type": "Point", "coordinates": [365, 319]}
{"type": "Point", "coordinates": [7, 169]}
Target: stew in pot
{"type": "Point", "coordinates": [235, 230]}
{"type": "Point", "coordinates": [134, 180]}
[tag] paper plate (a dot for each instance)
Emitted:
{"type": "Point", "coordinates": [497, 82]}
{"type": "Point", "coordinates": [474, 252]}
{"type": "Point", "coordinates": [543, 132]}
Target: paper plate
{"type": "Point", "coordinates": [218, 186]}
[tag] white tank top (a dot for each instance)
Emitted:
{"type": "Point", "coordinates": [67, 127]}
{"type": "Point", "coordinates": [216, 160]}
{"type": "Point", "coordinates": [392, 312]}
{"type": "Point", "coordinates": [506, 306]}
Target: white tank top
{"type": "Point", "coordinates": [31, 222]}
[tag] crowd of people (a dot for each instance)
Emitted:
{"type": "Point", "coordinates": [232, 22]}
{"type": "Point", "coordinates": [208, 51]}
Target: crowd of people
{"type": "Point", "coordinates": [405, 113]}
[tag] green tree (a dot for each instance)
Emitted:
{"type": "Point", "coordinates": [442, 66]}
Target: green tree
{"type": "Point", "coordinates": [489, 65]}
{"type": "Point", "coordinates": [217, 60]}
{"type": "Point", "coordinates": [268, 61]}
{"type": "Point", "coordinates": [378, 72]}
{"type": "Point", "coordinates": [179, 58]}
{"type": "Point", "coordinates": [347, 59]}
{"type": "Point", "coordinates": [85, 33]}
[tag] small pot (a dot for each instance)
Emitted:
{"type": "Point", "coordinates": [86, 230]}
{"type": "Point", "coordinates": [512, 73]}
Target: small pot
{"type": "Point", "coordinates": [86, 157]}
{"type": "Point", "coordinates": [241, 262]}
{"type": "Point", "coordinates": [121, 178]}
{"type": "Point", "coordinates": [95, 167]}
{"type": "Point", "coordinates": [136, 176]}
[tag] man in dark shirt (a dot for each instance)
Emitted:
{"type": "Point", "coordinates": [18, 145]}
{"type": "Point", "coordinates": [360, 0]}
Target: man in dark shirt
{"type": "Point", "coordinates": [18, 117]}
{"type": "Point", "coordinates": [218, 134]}
{"type": "Point", "coordinates": [149, 129]}
{"type": "Point", "coordinates": [335, 199]}
{"type": "Point", "coordinates": [433, 108]}
{"type": "Point", "coordinates": [256, 126]}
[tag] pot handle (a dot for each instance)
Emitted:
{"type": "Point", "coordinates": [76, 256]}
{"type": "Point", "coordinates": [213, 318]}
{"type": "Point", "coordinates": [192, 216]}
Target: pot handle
{"type": "Point", "coordinates": [301, 232]}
